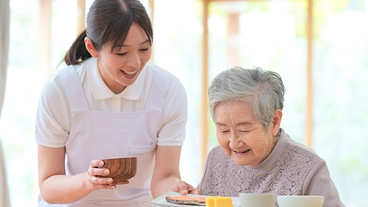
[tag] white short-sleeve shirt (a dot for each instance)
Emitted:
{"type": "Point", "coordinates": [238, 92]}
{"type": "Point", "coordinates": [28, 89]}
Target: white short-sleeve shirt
{"type": "Point", "coordinates": [54, 116]}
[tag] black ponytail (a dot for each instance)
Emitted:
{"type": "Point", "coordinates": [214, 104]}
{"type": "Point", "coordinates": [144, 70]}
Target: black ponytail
{"type": "Point", "coordinates": [77, 52]}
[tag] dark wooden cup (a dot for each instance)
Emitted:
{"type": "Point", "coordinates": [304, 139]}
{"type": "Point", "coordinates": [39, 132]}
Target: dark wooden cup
{"type": "Point", "coordinates": [121, 169]}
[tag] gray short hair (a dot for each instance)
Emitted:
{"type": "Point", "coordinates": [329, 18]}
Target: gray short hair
{"type": "Point", "coordinates": [263, 89]}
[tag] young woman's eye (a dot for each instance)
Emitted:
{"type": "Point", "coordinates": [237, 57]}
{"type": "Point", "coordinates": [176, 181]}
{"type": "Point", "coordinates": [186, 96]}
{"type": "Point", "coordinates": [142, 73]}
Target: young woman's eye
{"type": "Point", "coordinates": [121, 54]}
{"type": "Point", "coordinates": [144, 49]}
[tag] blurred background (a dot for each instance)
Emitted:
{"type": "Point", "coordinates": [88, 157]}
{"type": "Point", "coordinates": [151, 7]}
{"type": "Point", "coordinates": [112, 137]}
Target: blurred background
{"type": "Point", "coordinates": [319, 47]}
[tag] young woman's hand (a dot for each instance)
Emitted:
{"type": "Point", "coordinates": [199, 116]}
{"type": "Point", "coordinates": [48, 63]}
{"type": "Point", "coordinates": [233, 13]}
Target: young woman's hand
{"type": "Point", "coordinates": [94, 176]}
{"type": "Point", "coordinates": [184, 188]}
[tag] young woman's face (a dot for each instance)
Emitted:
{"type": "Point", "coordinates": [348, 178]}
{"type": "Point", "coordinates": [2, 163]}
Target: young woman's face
{"type": "Point", "coordinates": [121, 68]}
{"type": "Point", "coordinates": [241, 135]}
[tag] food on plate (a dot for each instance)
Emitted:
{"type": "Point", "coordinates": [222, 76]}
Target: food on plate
{"type": "Point", "coordinates": [186, 200]}
{"type": "Point", "coordinates": [210, 201]}
{"type": "Point", "coordinates": [213, 201]}
{"type": "Point", "coordinates": [219, 201]}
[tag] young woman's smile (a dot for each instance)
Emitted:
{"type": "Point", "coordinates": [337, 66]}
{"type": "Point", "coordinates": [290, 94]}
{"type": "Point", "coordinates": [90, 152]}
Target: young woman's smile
{"type": "Point", "coordinates": [121, 67]}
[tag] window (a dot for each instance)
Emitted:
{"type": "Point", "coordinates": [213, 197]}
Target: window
{"type": "Point", "coordinates": [268, 34]}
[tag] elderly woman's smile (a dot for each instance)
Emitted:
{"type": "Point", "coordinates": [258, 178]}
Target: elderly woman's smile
{"type": "Point", "coordinates": [241, 152]}
{"type": "Point", "coordinates": [255, 155]}
{"type": "Point", "coordinates": [241, 135]}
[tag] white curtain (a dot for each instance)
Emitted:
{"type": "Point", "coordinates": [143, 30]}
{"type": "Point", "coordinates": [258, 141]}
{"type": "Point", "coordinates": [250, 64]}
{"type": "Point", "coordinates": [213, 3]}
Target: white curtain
{"type": "Point", "coordinates": [4, 192]}
{"type": "Point", "coordinates": [4, 46]}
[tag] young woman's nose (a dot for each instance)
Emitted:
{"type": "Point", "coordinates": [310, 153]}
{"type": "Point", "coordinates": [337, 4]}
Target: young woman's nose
{"type": "Point", "coordinates": [134, 61]}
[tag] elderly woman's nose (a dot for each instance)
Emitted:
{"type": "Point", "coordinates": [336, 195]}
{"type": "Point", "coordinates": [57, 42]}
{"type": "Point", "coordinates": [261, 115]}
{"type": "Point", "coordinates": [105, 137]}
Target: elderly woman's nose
{"type": "Point", "coordinates": [234, 135]}
{"type": "Point", "coordinates": [234, 138]}
{"type": "Point", "coordinates": [236, 143]}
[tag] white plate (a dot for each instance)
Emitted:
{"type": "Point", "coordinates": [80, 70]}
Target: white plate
{"type": "Point", "coordinates": [161, 201]}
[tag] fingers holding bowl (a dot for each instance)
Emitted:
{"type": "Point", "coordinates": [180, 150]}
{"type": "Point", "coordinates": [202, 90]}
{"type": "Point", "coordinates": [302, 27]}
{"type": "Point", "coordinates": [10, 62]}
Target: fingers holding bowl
{"type": "Point", "coordinates": [121, 170]}
{"type": "Point", "coordinates": [98, 177]}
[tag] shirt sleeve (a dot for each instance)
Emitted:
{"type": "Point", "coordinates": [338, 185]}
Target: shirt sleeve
{"type": "Point", "coordinates": [175, 115]}
{"type": "Point", "coordinates": [53, 115]}
{"type": "Point", "coordinates": [320, 183]}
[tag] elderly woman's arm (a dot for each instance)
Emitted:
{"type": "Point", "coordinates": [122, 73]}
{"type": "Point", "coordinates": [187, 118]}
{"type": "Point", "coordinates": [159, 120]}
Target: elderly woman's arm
{"type": "Point", "coordinates": [320, 183]}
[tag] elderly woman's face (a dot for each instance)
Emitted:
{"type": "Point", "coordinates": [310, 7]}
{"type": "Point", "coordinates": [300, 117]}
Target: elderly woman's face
{"type": "Point", "coordinates": [241, 135]}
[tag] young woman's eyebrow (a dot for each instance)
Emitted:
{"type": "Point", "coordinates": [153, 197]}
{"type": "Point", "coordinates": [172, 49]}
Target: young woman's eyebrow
{"type": "Point", "coordinates": [144, 42]}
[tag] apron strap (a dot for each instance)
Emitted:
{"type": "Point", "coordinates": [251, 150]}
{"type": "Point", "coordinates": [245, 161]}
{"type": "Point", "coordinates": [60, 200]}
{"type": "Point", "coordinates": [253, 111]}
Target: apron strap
{"type": "Point", "coordinates": [73, 89]}
{"type": "Point", "coordinates": [159, 88]}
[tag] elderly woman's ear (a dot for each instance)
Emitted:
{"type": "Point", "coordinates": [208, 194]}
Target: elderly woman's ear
{"type": "Point", "coordinates": [276, 121]}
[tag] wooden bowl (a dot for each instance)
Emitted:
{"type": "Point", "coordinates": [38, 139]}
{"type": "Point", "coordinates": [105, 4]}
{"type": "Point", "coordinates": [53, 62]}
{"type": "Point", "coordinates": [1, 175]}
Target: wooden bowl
{"type": "Point", "coordinates": [121, 169]}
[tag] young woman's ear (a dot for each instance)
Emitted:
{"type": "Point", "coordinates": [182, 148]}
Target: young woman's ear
{"type": "Point", "coordinates": [90, 48]}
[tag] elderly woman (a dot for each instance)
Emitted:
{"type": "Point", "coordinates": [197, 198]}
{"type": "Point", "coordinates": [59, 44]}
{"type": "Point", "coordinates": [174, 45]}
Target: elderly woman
{"type": "Point", "coordinates": [256, 155]}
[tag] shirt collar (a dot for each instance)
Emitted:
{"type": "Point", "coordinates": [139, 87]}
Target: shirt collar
{"type": "Point", "coordinates": [101, 91]}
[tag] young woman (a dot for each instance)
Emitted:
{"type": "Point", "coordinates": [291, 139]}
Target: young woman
{"type": "Point", "coordinates": [110, 102]}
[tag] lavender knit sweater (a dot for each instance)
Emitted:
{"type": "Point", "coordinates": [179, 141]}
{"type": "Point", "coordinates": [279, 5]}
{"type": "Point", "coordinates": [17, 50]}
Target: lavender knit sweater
{"type": "Point", "coordinates": [290, 169]}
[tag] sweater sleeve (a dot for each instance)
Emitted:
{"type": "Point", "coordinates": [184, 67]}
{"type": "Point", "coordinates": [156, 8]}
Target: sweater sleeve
{"type": "Point", "coordinates": [320, 183]}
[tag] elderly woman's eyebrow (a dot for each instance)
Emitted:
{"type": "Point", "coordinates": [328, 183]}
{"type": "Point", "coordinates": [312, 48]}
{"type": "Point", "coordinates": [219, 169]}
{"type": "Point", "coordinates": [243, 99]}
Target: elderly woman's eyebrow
{"type": "Point", "coordinates": [243, 123]}
{"type": "Point", "coordinates": [220, 124]}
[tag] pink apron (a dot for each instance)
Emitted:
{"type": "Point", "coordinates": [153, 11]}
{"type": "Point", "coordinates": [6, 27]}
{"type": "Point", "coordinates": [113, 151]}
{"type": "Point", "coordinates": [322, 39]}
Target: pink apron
{"type": "Point", "coordinates": [102, 134]}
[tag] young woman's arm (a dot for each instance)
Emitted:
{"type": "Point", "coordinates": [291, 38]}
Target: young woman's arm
{"type": "Point", "coordinates": [56, 187]}
{"type": "Point", "coordinates": [166, 175]}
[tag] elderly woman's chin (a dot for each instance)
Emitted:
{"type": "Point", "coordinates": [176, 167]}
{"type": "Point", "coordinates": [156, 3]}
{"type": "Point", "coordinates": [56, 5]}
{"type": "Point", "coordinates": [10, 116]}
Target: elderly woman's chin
{"type": "Point", "coordinates": [244, 159]}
